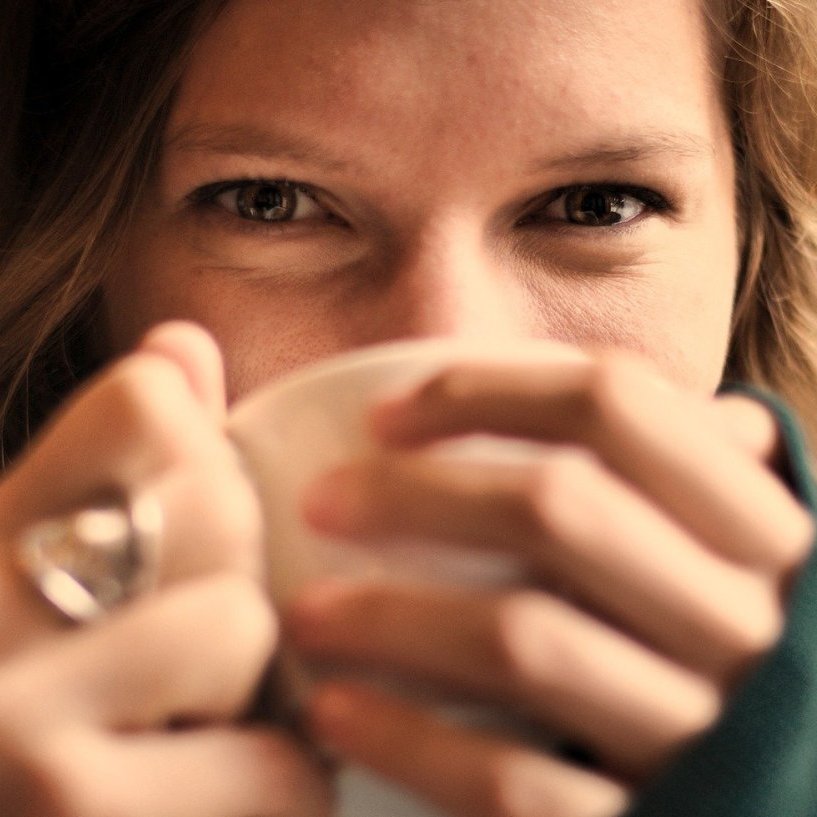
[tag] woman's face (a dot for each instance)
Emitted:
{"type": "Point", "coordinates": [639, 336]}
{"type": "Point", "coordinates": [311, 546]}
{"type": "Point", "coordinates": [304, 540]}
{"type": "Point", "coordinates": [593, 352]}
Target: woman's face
{"type": "Point", "coordinates": [338, 174]}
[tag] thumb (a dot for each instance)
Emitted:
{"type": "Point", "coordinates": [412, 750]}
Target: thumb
{"type": "Point", "coordinates": [195, 351]}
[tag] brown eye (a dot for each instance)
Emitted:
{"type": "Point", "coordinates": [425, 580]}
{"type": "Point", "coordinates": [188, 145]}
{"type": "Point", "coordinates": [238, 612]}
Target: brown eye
{"type": "Point", "coordinates": [597, 207]}
{"type": "Point", "coordinates": [265, 201]}
{"type": "Point", "coordinates": [262, 201]}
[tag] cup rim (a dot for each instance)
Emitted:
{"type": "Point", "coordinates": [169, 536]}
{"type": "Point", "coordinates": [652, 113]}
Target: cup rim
{"type": "Point", "coordinates": [459, 349]}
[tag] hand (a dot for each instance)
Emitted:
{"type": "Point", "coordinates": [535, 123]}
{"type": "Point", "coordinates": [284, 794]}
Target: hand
{"type": "Point", "coordinates": [136, 715]}
{"type": "Point", "coordinates": [659, 547]}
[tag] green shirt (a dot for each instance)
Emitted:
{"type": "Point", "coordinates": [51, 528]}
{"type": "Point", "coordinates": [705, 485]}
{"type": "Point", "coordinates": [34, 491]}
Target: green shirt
{"type": "Point", "coordinates": [760, 759]}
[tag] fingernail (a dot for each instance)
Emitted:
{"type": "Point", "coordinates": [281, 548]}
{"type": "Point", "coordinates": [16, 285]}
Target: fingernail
{"type": "Point", "coordinates": [332, 710]}
{"type": "Point", "coordinates": [389, 419]}
{"type": "Point", "coordinates": [315, 603]}
{"type": "Point", "coordinates": [333, 502]}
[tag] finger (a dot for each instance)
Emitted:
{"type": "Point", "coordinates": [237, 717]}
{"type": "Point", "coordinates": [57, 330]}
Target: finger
{"type": "Point", "coordinates": [466, 774]}
{"type": "Point", "coordinates": [132, 423]}
{"type": "Point", "coordinates": [210, 772]}
{"type": "Point", "coordinates": [750, 425]}
{"type": "Point", "coordinates": [218, 772]}
{"type": "Point", "coordinates": [210, 522]}
{"type": "Point", "coordinates": [662, 441]}
{"type": "Point", "coordinates": [197, 355]}
{"type": "Point", "coordinates": [578, 529]}
{"type": "Point", "coordinates": [194, 652]}
{"type": "Point", "coordinates": [132, 426]}
{"type": "Point", "coordinates": [533, 653]}
{"type": "Point", "coordinates": [27, 617]}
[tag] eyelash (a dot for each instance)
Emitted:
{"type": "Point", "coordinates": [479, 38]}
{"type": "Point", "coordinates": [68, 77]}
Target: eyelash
{"type": "Point", "coordinates": [653, 202]}
{"type": "Point", "coordinates": [207, 196]}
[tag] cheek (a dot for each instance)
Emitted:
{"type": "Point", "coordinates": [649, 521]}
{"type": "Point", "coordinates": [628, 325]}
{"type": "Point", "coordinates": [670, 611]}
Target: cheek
{"type": "Point", "coordinates": [271, 338]}
{"type": "Point", "coordinates": [671, 304]}
{"type": "Point", "coordinates": [680, 324]}
{"type": "Point", "coordinates": [684, 335]}
{"type": "Point", "coordinates": [685, 326]}
{"type": "Point", "coordinates": [262, 332]}
{"type": "Point", "coordinates": [699, 305]}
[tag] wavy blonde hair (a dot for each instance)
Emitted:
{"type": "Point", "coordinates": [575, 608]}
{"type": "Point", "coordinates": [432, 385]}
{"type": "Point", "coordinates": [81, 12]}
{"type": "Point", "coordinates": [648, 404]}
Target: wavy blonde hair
{"type": "Point", "coordinates": [86, 86]}
{"type": "Point", "coordinates": [769, 53]}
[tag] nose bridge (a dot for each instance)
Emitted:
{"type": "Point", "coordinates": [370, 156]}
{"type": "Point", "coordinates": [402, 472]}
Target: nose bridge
{"type": "Point", "coordinates": [445, 282]}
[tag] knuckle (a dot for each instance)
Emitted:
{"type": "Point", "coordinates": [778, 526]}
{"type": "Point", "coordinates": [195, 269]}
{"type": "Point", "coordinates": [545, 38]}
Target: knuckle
{"type": "Point", "coordinates": [801, 540]}
{"type": "Point", "coordinates": [524, 643]}
{"type": "Point", "coordinates": [757, 629]}
{"type": "Point", "coordinates": [511, 785]}
{"type": "Point", "coordinates": [236, 611]}
{"type": "Point", "coordinates": [553, 490]}
{"type": "Point", "coordinates": [148, 397]}
{"type": "Point", "coordinates": [611, 385]}
{"type": "Point", "coordinates": [28, 703]}
{"type": "Point", "coordinates": [497, 784]}
{"type": "Point", "coordinates": [210, 637]}
{"type": "Point", "coordinates": [453, 384]}
{"type": "Point", "coordinates": [236, 510]}
{"type": "Point", "coordinates": [67, 796]}
{"type": "Point", "coordinates": [299, 787]}
{"type": "Point", "coordinates": [704, 706]}
{"type": "Point", "coordinates": [44, 780]}
{"type": "Point", "coordinates": [231, 616]}
{"type": "Point", "coordinates": [376, 491]}
{"type": "Point", "coordinates": [518, 783]}
{"type": "Point", "coordinates": [230, 523]}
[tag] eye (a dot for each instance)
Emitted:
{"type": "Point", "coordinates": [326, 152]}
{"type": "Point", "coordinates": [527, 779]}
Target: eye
{"type": "Point", "coordinates": [262, 200]}
{"type": "Point", "coordinates": [598, 205]}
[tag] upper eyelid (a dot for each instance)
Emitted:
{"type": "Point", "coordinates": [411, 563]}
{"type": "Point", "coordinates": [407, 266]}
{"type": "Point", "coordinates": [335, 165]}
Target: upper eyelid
{"type": "Point", "coordinates": [645, 194]}
{"type": "Point", "coordinates": [655, 201]}
{"type": "Point", "coordinates": [207, 192]}
{"type": "Point", "coordinates": [205, 195]}
{"type": "Point", "coordinates": [213, 188]}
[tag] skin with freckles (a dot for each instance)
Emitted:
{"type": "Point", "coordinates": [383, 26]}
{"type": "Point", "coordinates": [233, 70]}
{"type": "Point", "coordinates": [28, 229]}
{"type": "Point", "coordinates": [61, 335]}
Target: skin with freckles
{"type": "Point", "coordinates": [437, 143]}
{"type": "Point", "coordinates": [336, 175]}
{"type": "Point", "coordinates": [339, 174]}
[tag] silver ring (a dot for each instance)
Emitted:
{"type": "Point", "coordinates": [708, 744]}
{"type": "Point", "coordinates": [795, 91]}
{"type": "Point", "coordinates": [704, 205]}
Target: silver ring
{"type": "Point", "coordinates": [89, 562]}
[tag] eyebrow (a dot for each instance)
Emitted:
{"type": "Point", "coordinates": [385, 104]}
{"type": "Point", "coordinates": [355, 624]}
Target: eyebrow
{"type": "Point", "coordinates": [253, 142]}
{"type": "Point", "coordinates": [624, 150]}
{"type": "Point", "coordinates": [250, 141]}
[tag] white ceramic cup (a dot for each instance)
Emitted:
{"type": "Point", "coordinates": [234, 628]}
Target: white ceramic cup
{"type": "Point", "coordinates": [314, 419]}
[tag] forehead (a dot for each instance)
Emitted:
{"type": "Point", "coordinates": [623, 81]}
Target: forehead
{"type": "Point", "coordinates": [380, 79]}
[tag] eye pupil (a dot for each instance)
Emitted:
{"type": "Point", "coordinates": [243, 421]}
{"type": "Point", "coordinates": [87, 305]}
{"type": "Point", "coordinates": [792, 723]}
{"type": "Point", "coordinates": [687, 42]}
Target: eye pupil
{"type": "Point", "coordinates": [596, 207]}
{"type": "Point", "coordinates": [267, 202]}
